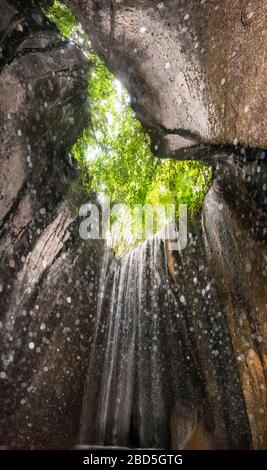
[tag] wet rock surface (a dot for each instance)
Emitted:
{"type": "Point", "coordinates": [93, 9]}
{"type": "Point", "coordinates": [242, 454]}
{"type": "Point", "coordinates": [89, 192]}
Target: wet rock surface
{"type": "Point", "coordinates": [194, 321]}
{"type": "Point", "coordinates": [184, 63]}
{"type": "Point", "coordinates": [43, 84]}
{"type": "Point", "coordinates": [195, 70]}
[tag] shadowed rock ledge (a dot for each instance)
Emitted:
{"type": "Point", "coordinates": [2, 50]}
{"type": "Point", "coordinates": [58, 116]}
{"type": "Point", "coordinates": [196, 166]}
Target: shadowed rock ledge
{"type": "Point", "coordinates": [195, 70]}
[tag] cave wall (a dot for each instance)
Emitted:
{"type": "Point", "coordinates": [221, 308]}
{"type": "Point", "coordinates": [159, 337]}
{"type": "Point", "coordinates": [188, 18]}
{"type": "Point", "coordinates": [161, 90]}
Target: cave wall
{"type": "Point", "coordinates": [235, 233]}
{"type": "Point", "coordinates": [47, 279]}
{"type": "Point", "coordinates": [195, 69]}
{"type": "Point", "coordinates": [223, 276]}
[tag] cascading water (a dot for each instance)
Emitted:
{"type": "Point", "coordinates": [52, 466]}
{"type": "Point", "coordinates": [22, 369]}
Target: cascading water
{"type": "Point", "coordinates": [161, 335]}
{"type": "Point", "coordinates": [139, 366]}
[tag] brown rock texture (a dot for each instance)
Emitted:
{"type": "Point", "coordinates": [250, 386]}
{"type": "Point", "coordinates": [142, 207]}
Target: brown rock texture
{"type": "Point", "coordinates": [43, 83]}
{"type": "Point", "coordinates": [196, 70]}
{"type": "Point", "coordinates": [235, 223]}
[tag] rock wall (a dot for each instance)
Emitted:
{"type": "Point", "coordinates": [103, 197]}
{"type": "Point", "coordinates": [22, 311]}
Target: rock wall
{"type": "Point", "coordinates": [47, 279]}
{"type": "Point", "coordinates": [224, 277]}
{"type": "Point", "coordinates": [195, 69]}
{"type": "Point", "coordinates": [235, 224]}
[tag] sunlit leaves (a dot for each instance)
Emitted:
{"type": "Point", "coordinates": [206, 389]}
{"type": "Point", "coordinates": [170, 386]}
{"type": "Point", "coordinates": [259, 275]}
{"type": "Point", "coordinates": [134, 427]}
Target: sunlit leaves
{"type": "Point", "coordinates": [118, 151]}
{"type": "Point", "coordinates": [62, 16]}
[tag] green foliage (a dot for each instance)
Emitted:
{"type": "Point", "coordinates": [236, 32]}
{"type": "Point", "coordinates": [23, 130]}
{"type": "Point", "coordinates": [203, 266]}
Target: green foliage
{"type": "Point", "coordinates": [179, 182]}
{"type": "Point", "coordinates": [117, 152]}
{"type": "Point", "coordinates": [79, 152]}
{"type": "Point", "coordinates": [114, 154]}
{"type": "Point", "coordinates": [121, 163]}
{"type": "Point", "coordinates": [62, 16]}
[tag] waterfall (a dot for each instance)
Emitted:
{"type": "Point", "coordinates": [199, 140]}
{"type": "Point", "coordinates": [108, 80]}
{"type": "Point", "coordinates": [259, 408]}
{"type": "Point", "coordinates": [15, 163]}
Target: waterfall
{"type": "Point", "coordinates": [140, 366]}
